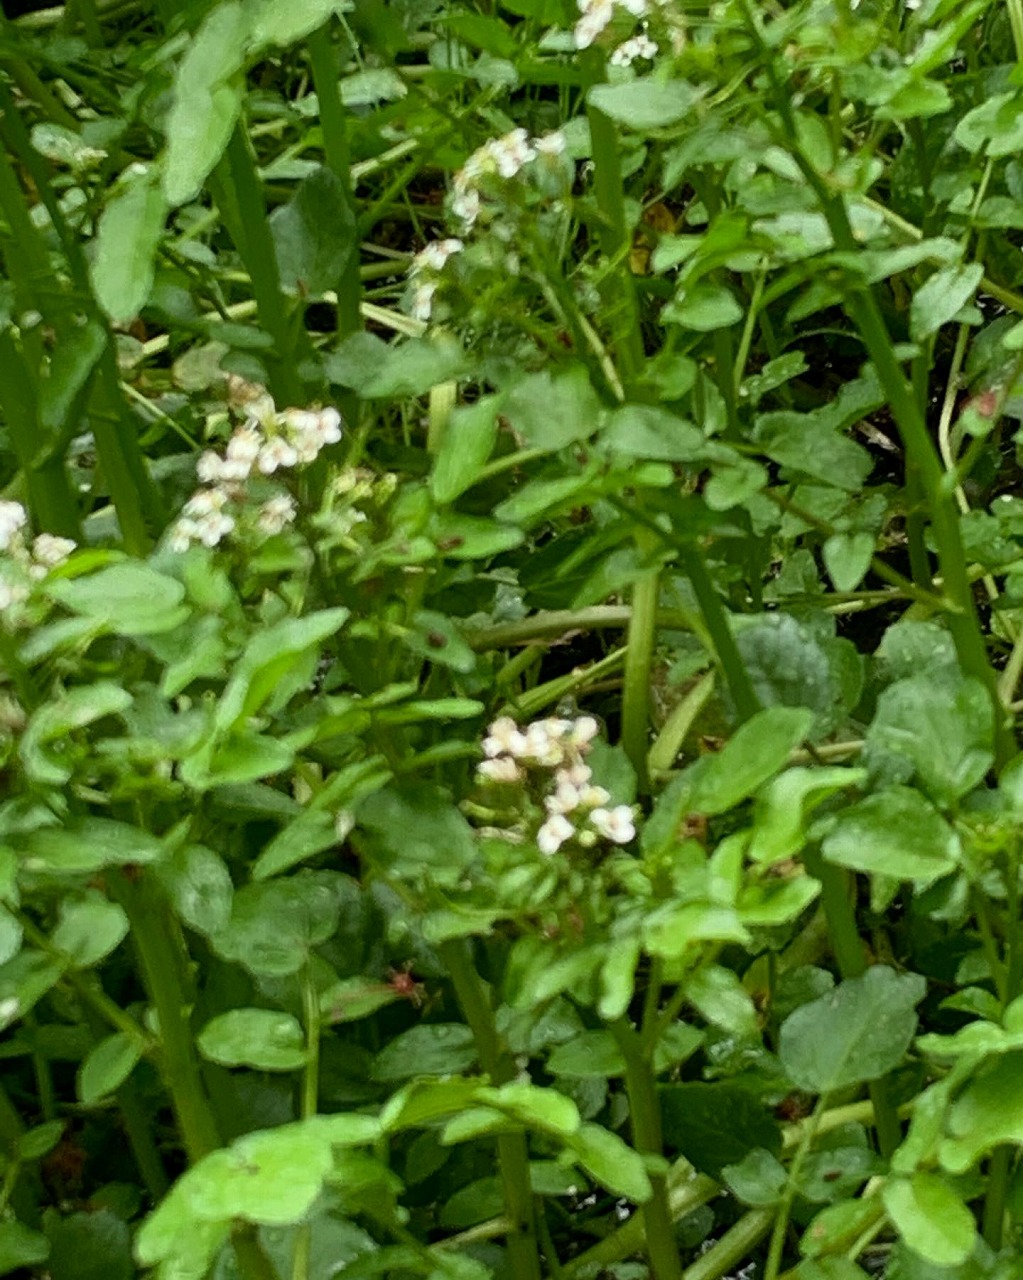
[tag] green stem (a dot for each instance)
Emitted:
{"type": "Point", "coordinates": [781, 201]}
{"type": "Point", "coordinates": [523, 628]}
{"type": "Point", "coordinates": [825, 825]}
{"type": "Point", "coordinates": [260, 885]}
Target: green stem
{"type": "Point", "coordinates": [157, 942]}
{"type": "Point", "coordinates": [776, 1248]}
{"type": "Point", "coordinates": [737, 1243]}
{"type": "Point", "coordinates": [309, 1105]}
{"type": "Point", "coordinates": [139, 1130]}
{"type": "Point", "coordinates": [999, 1168]}
{"type": "Point", "coordinates": [638, 660]}
{"type": "Point", "coordinates": [512, 1151]}
{"type": "Point", "coordinates": [239, 192]}
{"type": "Point", "coordinates": [645, 1121]}
{"type": "Point", "coordinates": [715, 619]}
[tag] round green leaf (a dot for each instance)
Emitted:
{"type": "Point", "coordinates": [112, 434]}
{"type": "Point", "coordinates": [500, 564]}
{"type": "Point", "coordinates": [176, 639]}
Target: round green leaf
{"type": "Point", "coordinates": [856, 1032]}
{"type": "Point", "coordinates": [644, 104]}
{"type": "Point", "coordinates": [430, 1049]}
{"type": "Point", "coordinates": [261, 1038]}
{"type": "Point", "coordinates": [89, 929]}
{"type": "Point", "coordinates": [894, 833]}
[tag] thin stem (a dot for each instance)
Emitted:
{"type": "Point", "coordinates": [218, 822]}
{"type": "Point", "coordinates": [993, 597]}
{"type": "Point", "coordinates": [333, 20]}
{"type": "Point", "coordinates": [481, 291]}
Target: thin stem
{"type": "Point", "coordinates": [645, 1122]}
{"type": "Point", "coordinates": [740, 686]}
{"type": "Point", "coordinates": [139, 1131]}
{"type": "Point", "coordinates": [512, 1152]}
{"type": "Point", "coordinates": [999, 1167]}
{"type": "Point", "coordinates": [638, 660]}
{"type": "Point", "coordinates": [308, 1107]}
{"type": "Point", "coordinates": [776, 1248]}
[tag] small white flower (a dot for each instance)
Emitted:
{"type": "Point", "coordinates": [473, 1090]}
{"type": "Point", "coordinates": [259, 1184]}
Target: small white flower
{"type": "Point", "coordinates": [435, 255]}
{"type": "Point", "coordinates": [501, 769]}
{"type": "Point", "coordinates": [276, 453]}
{"type": "Point", "coordinates": [504, 737]}
{"type": "Point", "coordinates": [262, 411]}
{"type": "Point", "coordinates": [615, 824]}
{"type": "Point", "coordinates": [465, 205]}
{"type": "Point", "coordinates": [542, 747]}
{"type": "Point", "coordinates": [50, 551]}
{"type": "Point", "coordinates": [511, 152]}
{"type": "Point", "coordinates": [13, 519]}
{"type": "Point", "coordinates": [183, 533]}
{"type": "Point", "coordinates": [212, 528]}
{"type": "Point", "coordinates": [583, 731]}
{"type": "Point", "coordinates": [564, 799]}
{"type": "Point", "coordinates": [204, 502]}
{"type": "Point", "coordinates": [551, 144]}
{"type": "Point", "coordinates": [422, 300]}
{"type": "Point", "coordinates": [553, 834]}
{"type": "Point", "coordinates": [591, 797]}
{"type": "Point", "coordinates": [596, 15]}
{"type": "Point", "coordinates": [577, 775]}
{"type": "Point", "coordinates": [637, 8]}
{"type": "Point", "coordinates": [243, 447]}
{"type": "Point", "coordinates": [276, 514]}
{"type": "Point", "coordinates": [210, 468]}
{"type": "Point", "coordinates": [330, 425]}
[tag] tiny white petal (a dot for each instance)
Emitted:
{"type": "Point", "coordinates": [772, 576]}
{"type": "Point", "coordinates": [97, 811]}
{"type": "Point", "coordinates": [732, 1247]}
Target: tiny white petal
{"type": "Point", "coordinates": [553, 834]}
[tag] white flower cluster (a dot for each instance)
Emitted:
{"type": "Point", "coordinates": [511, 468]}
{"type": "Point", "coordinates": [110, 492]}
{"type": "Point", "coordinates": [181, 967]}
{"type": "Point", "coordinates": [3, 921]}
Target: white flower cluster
{"type": "Point", "coordinates": [268, 442]}
{"type": "Point", "coordinates": [575, 806]}
{"type": "Point", "coordinates": [639, 48]}
{"type": "Point", "coordinates": [506, 157]}
{"type": "Point", "coordinates": [596, 15]}
{"type": "Point", "coordinates": [26, 562]}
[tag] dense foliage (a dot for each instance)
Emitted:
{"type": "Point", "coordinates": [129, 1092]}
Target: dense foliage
{"type": "Point", "coordinates": [511, 618]}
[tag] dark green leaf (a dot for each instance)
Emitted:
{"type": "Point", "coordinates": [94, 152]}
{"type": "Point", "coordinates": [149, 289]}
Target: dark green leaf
{"type": "Point", "coordinates": [894, 833]}
{"type": "Point", "coordinates": [717, 1124]}
{"type": "Point", "coordinates": [434, 1049]}
{"type": "Point", "coordinates": [314, 233]}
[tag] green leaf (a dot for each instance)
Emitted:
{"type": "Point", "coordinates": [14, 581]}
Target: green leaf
{"type": "Point", "coordinates": [941, 297]}
{"type": "Point", "coordinates": [996, 125]}
{"type": "Point", "coordinates": [779, 827]}
{"type": "Point", "coordinates": [24, 980]}
{"type": "Point", "coordinates": [276, 663]}
{"type": "Point", "coordinates": [612, 1162]}
{"type": "Point", "coordinates": [379, 370]}
{"type": "Point", "coordinates": [986, 1114]}
{"type": "Point", "coordinates": [931, 1218]}
{"type": "Point", "coordinates": [129, 598]}
{"type": "Point", "coordinates": [21, 1247]}
{"type": "Point", "coordinates": [271, 23]}
{"type": "Point", "coordinates": [945, 730]}
{"type": "Point", "coordinates": [754, 753]}
{"type": "Point", "coordinates": [830, 1269]}
{"type": "Point", "coordinates": [724, 1002]}
{"type": "Point", "coordinates": [207, 102]}
{"type": "Point", "coordinates": [127, 238]}
{"type": "Point", "coordinates": [716, 1124]}
{"type": "Point", "coordinates": [89, 929]}
{"type": "Point", "coordinates": [589, 1055]}
{"type": "Point", "coordinates": [314, 233]}
{"type": "Point", "coordinates": [759, 1179]}
{"type": "Point", "coordinates": [551, 410]}
{"type": "Point", "coordinates": [847, 558]}
{"type": "Point", "coordinates": [897, 833]}
{"type": "Point", "coordinates": [703, 306]}
{"type": "Point", "coordinates": [467, 442]}
{"type": "Point", "coordinates": [415, 832]}
{"type": "Point", "coordinates": [200, 888]}
{"type": "Point", "coordinates": [543, 1109]}
{"type": "Point", "coordinates": [648, 431]}
{"type": "Point", "coordinates": [311, 833]}
{"type": "Point", "coordinates": [80, 354]}
{"type": "Point", "coordinates": [265, 1039]}
{"type": "Point", "coordinates": [430, 1049]}
{"type": "Point", "coordinates": [90, 1246]}
{"type": "Point", "coordinates": [88, 846]}
{"type": "Point", "coordinates": [857, 1032]}
{"type": "Point", "coordinates": [275, 924]}
{"type": "Point", "coordinates": [106, 1067]}
{"type": "Point", "coordinates": [43, 747]}
{"type": "Point", "coordinates": [644, 104]}
{"type": "Point", "coordinates": [800, 442]}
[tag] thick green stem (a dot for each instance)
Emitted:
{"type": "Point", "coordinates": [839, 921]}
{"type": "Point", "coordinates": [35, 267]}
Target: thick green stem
{"type": "Point", "coordinates": [308, 1107]}
{"type": "Point", "coordinates": [512, 1151]}
{"type": "Point", "coordinates": [645, 1121]}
